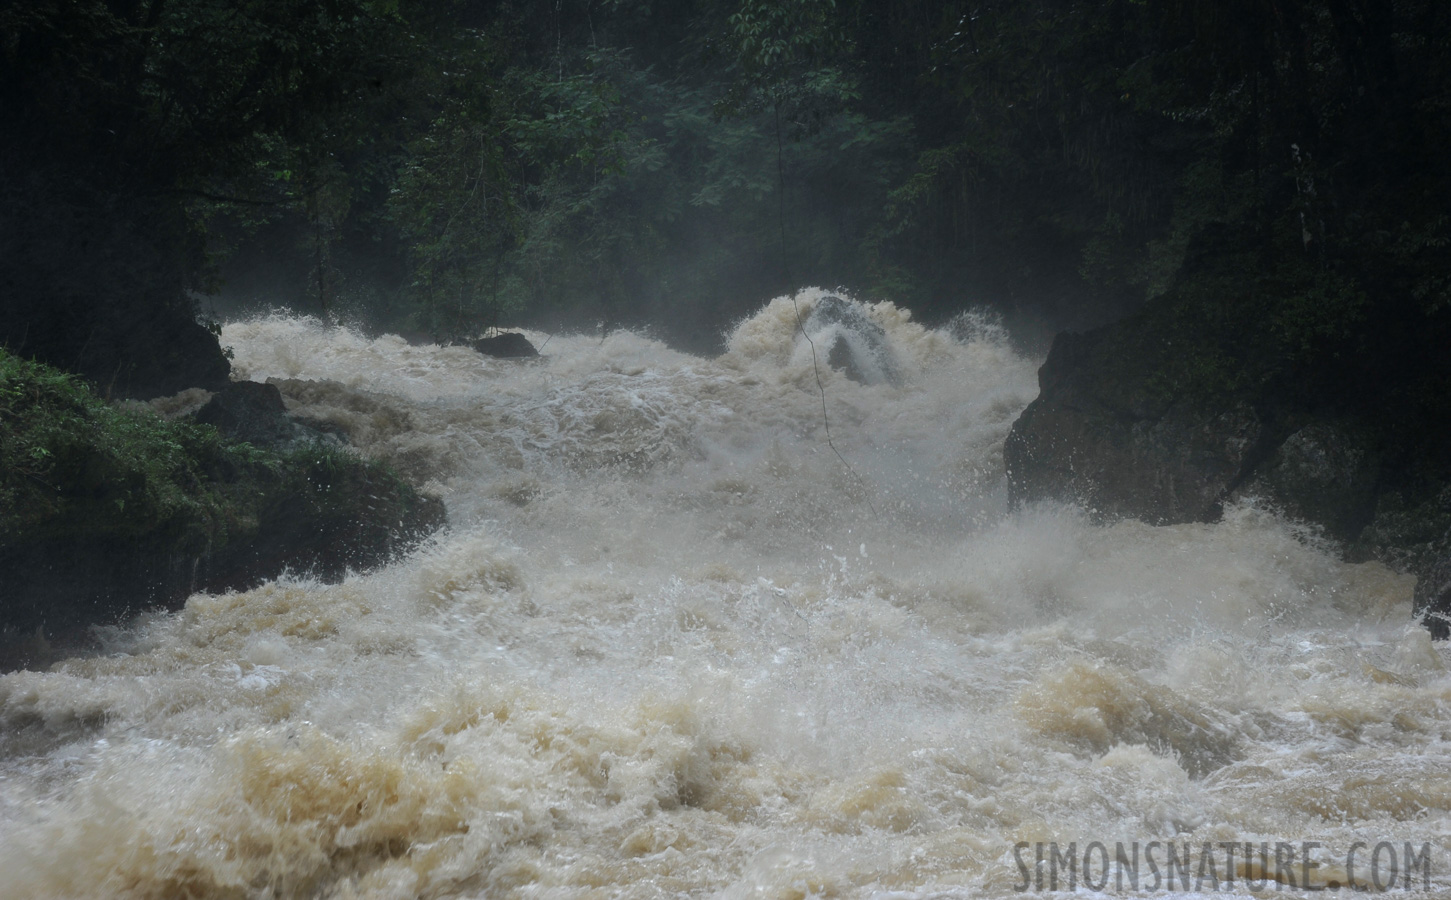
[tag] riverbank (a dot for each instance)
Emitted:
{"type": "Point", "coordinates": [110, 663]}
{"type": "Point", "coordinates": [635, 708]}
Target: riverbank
{"type": "Point", "coordinates": [108, 510]}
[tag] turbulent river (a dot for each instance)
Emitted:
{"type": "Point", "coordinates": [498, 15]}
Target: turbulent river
{"type": "Point", "coordinates": [672, 644]}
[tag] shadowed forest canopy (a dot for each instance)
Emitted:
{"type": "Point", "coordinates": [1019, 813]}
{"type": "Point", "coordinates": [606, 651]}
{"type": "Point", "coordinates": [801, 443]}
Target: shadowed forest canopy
{"type": "Point", "coordinates": [445, 167]}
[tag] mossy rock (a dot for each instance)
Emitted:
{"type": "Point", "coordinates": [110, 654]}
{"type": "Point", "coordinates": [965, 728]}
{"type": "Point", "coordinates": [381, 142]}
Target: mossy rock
{"type": "Point", "coordinates": [105, 511]}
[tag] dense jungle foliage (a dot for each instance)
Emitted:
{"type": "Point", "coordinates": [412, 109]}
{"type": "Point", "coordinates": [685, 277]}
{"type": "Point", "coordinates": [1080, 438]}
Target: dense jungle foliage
{"type": "Point", "coordinates": [448, 166]}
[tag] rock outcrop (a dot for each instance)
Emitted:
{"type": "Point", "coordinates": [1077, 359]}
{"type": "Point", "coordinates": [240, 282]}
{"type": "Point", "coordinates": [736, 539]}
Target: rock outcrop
{"type": "Point", "coordinates": [1106, 436]}
{"type": "Point", "coordinates": [106, 511]}
{"type": "Point", "coordinates": [1141, 419]}
{"type": "Point", "coordinates": [98, 288]}
{"type": "Point", "coordinates": [1433, 597]}
{"type": "Point", "coordinates": [1326, 472]}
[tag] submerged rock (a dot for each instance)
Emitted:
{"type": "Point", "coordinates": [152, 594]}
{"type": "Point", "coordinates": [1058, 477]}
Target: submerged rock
{"type": "Point", "coordinates": [509, 345]}
{"type": "Point", "coordinates": [842, 358]}
{"type": "Point", "coordinates": [852, 343]}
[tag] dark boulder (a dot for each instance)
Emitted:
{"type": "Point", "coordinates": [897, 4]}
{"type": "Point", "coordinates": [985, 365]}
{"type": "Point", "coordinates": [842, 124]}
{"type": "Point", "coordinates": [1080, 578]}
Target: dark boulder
{"type": "Point", "coordinates": [843, 358]}
{"type": "Point", "coordinates": [98, 287]}
{"type": "Point", "coordinates": [256, 413]}
{"type": "Point", "coordinates": [314, 513]}
{"type": "Point", "coordinates": [1106, 436]}
{"type": "Point", "coordinates": [248, 411]}
{"type": "Point", "coordinates": [1108, 431]}
{"type": "Point", "coordinates": [1411, 531]}
{"type": "Point", "coordinates": [1433, 598]}
{"type": "Point", "coordinates": [125, 351]}
{"type": "Point", "coordinates": [1148, 418]}
{"type": "Point", "coordinates": [509, 345]}
{"type": "Point", "coordinates": [833, 310]}
{"type": "Point", "coordinates": [323, 512]}
{"type": "Point", "coordinates": [1325, 472]}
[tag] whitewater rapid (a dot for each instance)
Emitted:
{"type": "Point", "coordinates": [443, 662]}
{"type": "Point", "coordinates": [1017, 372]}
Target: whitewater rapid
{"type": "Point", "coordinates": [673, 643]}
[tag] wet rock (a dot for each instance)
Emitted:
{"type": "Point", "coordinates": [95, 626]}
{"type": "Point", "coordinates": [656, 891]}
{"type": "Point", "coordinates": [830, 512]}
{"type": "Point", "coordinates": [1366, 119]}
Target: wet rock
{"type": "Point", "coordinates": [159, 352]}
{"type": "Point", "coordinates": [1110, 440]}
{"type": "Point", "coordinates": [831, 309]}
{"type": "Point", "coordinates": [315, 514]}
{"type": "Point", "coordinates": [852, 343]}
{"type": "Point", "coordinates": [417, 337]}
{"type": "Point", "coordinates": [106, 511]}
{"type": "Point", "coordinates": [254, 412]}
{"type": "Point", "coordinates": [94, 289]}
{"type": "Point", "coordinates": [1149, 419]}
{"type": "Point", "coordinates": [509, 345]}
{"type": "Point", "coordinates": [841, 358]}
{"type": "Point", "coordinates": [248, 411]}
{"type": "Point", "coordinates": [1433, 598]}
{"type": "Point", "coordinates": [1411, 531]}
{"type": "Point", "coordinates": [325, 513]}
{"type": "Point", "coordinates": [1324, 472]}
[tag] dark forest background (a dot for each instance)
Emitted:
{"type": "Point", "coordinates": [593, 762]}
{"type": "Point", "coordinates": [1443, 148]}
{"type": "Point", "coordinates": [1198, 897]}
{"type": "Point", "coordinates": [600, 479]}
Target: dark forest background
{"type": "Point", "coordinates": [444, 167]}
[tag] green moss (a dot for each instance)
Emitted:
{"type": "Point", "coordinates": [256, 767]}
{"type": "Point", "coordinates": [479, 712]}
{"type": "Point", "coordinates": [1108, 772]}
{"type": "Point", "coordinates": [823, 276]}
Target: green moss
{"type": "Point", "coordinates": [70, 461]}
{"type": "Point", "coordinates": [72, 465]}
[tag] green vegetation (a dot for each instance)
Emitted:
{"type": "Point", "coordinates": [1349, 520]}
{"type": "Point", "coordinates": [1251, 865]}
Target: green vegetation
{"type": "Point", "coordinates": [105, 509]}
{"type": "Point", "coordinates": [70, 462]}
{"type": "Point", "coordinates": [446, 166]}
{"type": "Point", "coordinates": [1272, 172]}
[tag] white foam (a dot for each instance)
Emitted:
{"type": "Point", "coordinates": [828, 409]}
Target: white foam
{"type": "Point", "coordinates": [673, 645]}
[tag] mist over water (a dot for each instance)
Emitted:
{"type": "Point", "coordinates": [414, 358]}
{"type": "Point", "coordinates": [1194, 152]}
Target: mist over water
{"type": "Point", "coordinates": [672, 645]}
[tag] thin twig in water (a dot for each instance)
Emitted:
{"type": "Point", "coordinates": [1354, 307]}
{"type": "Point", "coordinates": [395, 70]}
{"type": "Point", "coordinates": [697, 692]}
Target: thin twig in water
{"type": "Point", "coordinates": [825, 420]}
{"type": "Point", "coordinates": [815, 367]}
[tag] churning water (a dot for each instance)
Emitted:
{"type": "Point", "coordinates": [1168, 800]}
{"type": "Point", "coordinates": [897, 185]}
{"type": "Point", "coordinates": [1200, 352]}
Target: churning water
{"type": "Point", "coordinates": [671, 645]}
